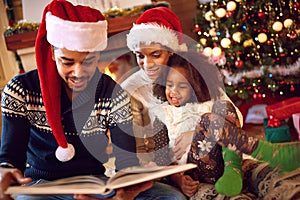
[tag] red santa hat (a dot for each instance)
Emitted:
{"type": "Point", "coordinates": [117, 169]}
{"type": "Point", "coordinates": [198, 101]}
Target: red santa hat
{"type": "Point", "coordinates": [76, 28]}
{"type": "Point", "coordinates": [158, 25]}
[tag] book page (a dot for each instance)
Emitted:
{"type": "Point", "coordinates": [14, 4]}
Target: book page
{"type": "Point", "coordinates": [136, 170]}
{"type": "Point", "coordinates": [71, 185]}
{"type": "Point", "coordinates": [137, 175]}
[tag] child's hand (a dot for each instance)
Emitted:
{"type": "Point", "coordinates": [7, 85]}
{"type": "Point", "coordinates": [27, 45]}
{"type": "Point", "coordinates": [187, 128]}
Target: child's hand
{"type": "Point", "coordinates": [150, 164]}
{"type": "Point", "coordinates": [188, 186]}
{"type": "Point", "coordinates": [182, 142]}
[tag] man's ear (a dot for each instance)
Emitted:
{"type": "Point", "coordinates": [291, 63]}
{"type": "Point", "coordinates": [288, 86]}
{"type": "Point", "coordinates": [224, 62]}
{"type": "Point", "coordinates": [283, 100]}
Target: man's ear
{"type": "Point", "coordinates": [52, 53]}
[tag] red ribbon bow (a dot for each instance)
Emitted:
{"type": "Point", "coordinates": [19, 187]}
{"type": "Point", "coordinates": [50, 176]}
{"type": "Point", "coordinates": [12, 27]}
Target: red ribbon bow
{"type": "Point", "coordinates": [273, 122]}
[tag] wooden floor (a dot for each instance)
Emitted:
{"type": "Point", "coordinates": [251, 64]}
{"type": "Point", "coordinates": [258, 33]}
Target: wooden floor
{"type": "Point", "coordinates": [255, 130]}
{"type": "Point", "coordinates": [259, 132]}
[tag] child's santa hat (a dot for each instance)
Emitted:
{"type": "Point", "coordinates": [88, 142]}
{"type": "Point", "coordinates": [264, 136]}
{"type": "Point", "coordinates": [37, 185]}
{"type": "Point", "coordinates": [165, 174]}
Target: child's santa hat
{"type": "Point", "coordinates": [157, 25]}
{"type": "Point", "coordinates": [76, 28]}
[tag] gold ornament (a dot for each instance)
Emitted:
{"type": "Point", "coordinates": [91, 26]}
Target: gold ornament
{"type": "Point", "coordinates": [248, 43]}
{"type": "Point", "coordinates": [203, 41]}
{"type": "Point", "coordinates": [287, 23]}
{"type": "Point", "coordinates": [207, 51]}
{"type": "Point", "coordinates": [213, 32]}
{"type": "Point", "coordinates": [220, 12]}
{"type": "Point", "coordinates": [231, 6]}
{"type": "Point", "coordinates": [277, 26]}
{"type": "Point", "coordinates": [237, 36]}
{"type": "Point", "coordinates": [216, 51]}
{"type": "Point", "coordinates": [225, 43]}
{"type": "Point", "coordinates": [208, 15]}
{"type": "Point", "coordinates": [262, 37]}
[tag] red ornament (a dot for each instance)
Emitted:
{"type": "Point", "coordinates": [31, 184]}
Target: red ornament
{"type": "Point", "coordinates": [261, 15]}
{"type": "Point", "coordinates": [229, 13]}
{"type": "Point", "coordinates": [254, 96]}
{"type": "Point", "coordinates": [292, 89]}
{"type": "Point", "coordinates": [239, 64]}
{"type": "Point", "coordinates": [292, 35]}
{"type": "Point", "coordinates": [197, 29]}
{"type": "Point", "coordinates": [259, 96]}
{"type": "Point", "coordinates": [282, 55]}
{"type": "Point", "coordinates": [297, 6]}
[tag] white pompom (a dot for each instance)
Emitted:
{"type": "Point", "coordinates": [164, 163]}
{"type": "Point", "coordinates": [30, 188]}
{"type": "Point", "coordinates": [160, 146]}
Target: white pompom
{"type": "Point", "coordinates": [65, 154]}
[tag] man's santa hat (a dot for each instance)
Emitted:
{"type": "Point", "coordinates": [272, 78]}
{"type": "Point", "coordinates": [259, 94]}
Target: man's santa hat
{"type": "Point", "coordinates": [157, 25]}
{"type": "Point", "coordinates": [77, 28]}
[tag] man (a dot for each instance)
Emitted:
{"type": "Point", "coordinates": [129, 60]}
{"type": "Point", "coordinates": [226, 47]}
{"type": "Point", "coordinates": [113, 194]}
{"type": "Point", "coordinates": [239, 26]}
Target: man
{"type": "Point", "coordinates": [55, 118]}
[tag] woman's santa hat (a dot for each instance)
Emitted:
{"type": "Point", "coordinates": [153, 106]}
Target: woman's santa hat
{"type": "Point", "coordinates": [157, 25]}
{"type": "Point", "coordinates": [77, 28]}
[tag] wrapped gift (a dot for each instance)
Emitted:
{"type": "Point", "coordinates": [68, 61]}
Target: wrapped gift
{"type": "Point", "coordinates": [277, 134]}
{"type": "Point", "coordinates": [296, 122]}
{"type": "Point", "coordinates": [284, 109]}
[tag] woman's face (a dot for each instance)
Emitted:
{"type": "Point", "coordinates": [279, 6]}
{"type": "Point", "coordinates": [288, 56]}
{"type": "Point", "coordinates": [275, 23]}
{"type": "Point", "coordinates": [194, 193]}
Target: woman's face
{"type": "Point", "coordinates": [178, 89]}
{"type": "Point", "coordinates": [152, 58]}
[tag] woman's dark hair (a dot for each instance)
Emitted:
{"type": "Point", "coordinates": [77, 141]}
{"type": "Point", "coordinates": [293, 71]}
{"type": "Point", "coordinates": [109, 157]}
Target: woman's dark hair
{"type": "Point", "coordinates": [203, 77]}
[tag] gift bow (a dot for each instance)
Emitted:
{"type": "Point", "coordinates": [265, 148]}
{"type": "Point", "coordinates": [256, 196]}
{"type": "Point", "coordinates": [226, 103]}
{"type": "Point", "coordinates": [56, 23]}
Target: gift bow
{"type": "Point", "coordinates": [273, 122]}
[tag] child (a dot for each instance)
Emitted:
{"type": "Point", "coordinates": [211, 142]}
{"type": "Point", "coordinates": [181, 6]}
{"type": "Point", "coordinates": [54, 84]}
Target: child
{"type": "Point", "coordinates": [187, 95]}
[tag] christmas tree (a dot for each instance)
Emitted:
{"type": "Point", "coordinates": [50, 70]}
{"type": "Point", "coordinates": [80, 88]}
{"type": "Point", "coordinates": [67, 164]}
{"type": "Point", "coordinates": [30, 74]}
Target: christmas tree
{"type": "Point", "coordinates": [255, 43]}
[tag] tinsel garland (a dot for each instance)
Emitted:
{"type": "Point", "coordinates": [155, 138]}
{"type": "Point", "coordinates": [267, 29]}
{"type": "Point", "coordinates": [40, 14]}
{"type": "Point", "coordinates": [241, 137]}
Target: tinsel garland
{"type": "Point", "coordinates": [21, 27]}
{"type": "Point", "coordinates": [260, 72]}
{"type": "Point", "coordinates": [136, 10]}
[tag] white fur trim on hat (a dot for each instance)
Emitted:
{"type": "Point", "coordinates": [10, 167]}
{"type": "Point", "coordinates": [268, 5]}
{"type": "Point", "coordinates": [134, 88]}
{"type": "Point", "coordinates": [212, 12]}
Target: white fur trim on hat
{"type": "Point", "coordinates": [153, 33]}
{"type": "Point", "coordinates": [67, 34]}
{"type": "Point", "coordinates": [65, 154]}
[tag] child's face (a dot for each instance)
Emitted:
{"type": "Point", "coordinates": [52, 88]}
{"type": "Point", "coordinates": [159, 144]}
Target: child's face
{"type": "Point", "coordinates": [178, 89]}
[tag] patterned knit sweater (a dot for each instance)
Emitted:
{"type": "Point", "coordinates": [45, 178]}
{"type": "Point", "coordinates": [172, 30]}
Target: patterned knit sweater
{"type": "Point", "coordinates": [28, 143]}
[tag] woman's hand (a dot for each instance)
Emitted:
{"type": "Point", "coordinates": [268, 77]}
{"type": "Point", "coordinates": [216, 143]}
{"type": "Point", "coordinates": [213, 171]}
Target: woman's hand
{"type": "Point", "coordinates": [182, 142]}
{"type": "Point", "coordinates": [188, 185]}
{"type": "Point", "coordinates": [10, 176]}
{"type": "Point", "coordinates": [185, 183]}
{"type": "Point", "coordinates": [128, 193]}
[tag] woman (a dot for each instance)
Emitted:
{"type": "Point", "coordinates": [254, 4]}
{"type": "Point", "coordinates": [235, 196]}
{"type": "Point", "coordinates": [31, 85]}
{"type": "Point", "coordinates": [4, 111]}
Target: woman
{"type": "Point", "coordinates": [154, 37]}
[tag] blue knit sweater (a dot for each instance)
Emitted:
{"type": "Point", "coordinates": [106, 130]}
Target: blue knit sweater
{"type": "Point", "coordinates": [28, 143]}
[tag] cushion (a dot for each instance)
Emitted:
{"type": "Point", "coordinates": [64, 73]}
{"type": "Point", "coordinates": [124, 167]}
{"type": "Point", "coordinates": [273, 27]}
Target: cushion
{"type": "Point", "coordinates": [256, 114]}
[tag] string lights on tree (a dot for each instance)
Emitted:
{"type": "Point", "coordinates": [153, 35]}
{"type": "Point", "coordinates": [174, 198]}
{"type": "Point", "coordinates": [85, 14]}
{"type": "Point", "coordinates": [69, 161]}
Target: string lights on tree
{"type": "Point", "coordinates": [255, 43]}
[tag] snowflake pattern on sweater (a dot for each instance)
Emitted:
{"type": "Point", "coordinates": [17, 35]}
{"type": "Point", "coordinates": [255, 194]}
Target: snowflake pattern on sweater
{"type": "Point", "coordinates": [86, 121]}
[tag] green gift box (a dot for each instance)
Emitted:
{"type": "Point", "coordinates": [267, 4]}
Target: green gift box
{"type": "Point", "coordinates": [277, 134]}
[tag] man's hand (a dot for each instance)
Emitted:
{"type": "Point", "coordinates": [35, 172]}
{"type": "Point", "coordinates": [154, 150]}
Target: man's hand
{"type": "Point", "coordinates": [10, 176]}
{"type": "Point", "coordinates": [182, 142]}
{"type": "Point", "coordinates": [128, 193]}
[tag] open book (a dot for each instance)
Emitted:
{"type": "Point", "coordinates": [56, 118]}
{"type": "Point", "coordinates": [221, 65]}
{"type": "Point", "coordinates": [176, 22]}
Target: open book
{"type": "Point", "coordinates": [93, 185]}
